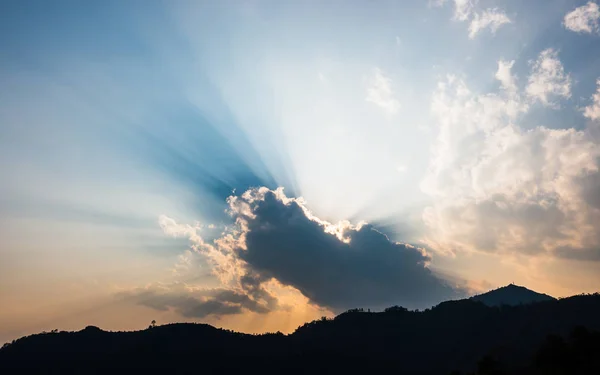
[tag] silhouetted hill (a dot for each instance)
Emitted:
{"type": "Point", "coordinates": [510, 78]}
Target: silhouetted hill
{"type": "Point", "coordinates": [457, 335]}
{"type": "Point", "coordinates": [511, 295]}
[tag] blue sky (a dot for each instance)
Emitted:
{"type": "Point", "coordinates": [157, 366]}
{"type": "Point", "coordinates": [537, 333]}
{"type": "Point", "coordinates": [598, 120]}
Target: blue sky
{"type": "Point", "coordinates": [135, 138]}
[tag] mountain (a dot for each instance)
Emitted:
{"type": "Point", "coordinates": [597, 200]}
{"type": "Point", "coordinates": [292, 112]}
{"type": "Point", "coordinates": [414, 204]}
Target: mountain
{"type": "Point", "coordinates": [464, 335]}
{"type": "Point", "coordinates": [511, 295]}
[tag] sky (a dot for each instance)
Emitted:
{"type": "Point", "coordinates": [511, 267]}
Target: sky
{"type": "Point", "coordinates": [258, 164]}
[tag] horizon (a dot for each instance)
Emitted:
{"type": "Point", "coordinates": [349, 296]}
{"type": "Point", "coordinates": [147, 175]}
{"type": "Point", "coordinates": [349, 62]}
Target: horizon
{"type": "Point", "coordinates": [255, 165]}
{"type": "Point", "coordinates": [540, 337]}
{"type": "Point", "coordinates": [154, 323]}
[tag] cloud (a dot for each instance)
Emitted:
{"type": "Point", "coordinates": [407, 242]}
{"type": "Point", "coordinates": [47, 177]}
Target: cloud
{"type": "Point", "coordinates": [463, 9]}
{"type": "Point", "coordinates": [240, 288]}
{"type": "Point", "coordinates": [504, 75]}
{"type": "Point", "coordinates": [584, 19]}
{"type": "Point", "coordinates": [278, 254]}
{"type": "Point", "coordinates": [592, 111]}
{"type": "Point", "coordinates": [380, 93]}
{"type": "Point", "coordinates": [498, 187]}
{"type": "Point", "coordinates": [490, 18]}
{"type": "Point", "coordinates": [193, 302]}
{"type": "Point", "coordinates": [335, 265]}
{"type": "Point", "coordinates": [548, 80]}
{"type": "Point", "coordinates": [223, 263]}
{"type": "Point", "coordinates": [466, 10]}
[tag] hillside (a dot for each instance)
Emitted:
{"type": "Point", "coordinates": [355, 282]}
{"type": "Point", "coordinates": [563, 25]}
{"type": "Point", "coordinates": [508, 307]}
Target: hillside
{"type": "Point", "coordinates": [511, 295]}
{"type": "Point", "coordinates": [454, 335]}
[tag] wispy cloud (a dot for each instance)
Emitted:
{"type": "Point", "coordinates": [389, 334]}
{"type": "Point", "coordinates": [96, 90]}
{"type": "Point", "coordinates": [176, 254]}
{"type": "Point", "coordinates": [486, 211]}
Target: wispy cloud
{"type": "Point", "coordinates": [548, 80]}
{"type": "Point", "coordinates": [194, 302]}
{"type": "Point", "coordinates": [466, 10]}
{"type": "Point", "coordinates": [380, 92]}
{"type": "Point", "coordinates": [463, 9]}
{"type": "Point", "coordinates": [584, 19]}
{"type": "Point", "coordinates": [490, 18]}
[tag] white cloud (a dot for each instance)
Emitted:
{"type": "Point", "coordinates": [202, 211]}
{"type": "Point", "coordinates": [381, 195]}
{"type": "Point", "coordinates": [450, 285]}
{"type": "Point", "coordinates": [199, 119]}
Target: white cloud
{"type": "Point", "coordinates": [463, 9]}
{"type": "Point", "coordinates": [592, 111]}
{"type": "Point", "coordinates": [380, 93]}
{"type": "Point", "coordinates": [504, 75]}
{"type": "Point", "coordinates": [466, 10]}
{"type": "Point", "coordinates": [548, 79]}
{"type": "Point", "coordinates": [170, 227]}
{"type": "Point", "coordinates": [584, 19]}
{"type": "Point", "coordinates": [490, 18]}
{"type": "Point", "coordinates": [497, 187]}
{"type": "Point", "coordinates": [224, 265]}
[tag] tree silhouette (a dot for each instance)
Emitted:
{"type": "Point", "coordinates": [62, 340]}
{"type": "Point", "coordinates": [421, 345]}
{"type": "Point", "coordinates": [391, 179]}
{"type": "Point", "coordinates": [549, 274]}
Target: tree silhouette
{"type": "Point", "coordinates": [529, 339]}
{"type": "Point", "coordinates": [489, 366]}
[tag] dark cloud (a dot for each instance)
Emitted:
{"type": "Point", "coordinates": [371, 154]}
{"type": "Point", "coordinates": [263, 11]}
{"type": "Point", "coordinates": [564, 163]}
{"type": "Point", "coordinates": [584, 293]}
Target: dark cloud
{"type": "Point", "coordinates": [335, 266]}
{"type": "Point", "coordinates": [364, 270]}
{"type": "Point", "coordinates": [201, 303]}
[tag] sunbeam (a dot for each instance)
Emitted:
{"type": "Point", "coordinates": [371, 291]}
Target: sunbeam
{"type": "Point", "coordinates": [259, 164]}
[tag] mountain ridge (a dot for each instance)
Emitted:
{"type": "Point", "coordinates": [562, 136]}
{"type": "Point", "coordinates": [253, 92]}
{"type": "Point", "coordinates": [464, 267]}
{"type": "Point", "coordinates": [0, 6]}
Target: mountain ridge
{"type": "Point", "coordinates": [457, 334]}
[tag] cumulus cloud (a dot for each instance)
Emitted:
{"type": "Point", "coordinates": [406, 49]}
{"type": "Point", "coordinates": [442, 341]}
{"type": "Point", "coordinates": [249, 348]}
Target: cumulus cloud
{"type": "Point", "coordinates": [592, 111]}
{"type": "Point", "coordinates": [498, 187]}
{"type": "Point", "coordinates": [380, 93]}
{"type": "Point", "coordinates": [278, 247]}
{"type": "Point", "coordinates": [490, 18]}
{"type": "Point", "coordinates": [337, 266]}
{"type": "Point", "coordinates": [584, 19]}
{"type": "Point", "coordinates": [548, 80]}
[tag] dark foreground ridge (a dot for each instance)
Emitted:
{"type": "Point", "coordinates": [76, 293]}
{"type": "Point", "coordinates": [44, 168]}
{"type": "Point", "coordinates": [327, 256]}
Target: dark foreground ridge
{"type": "Point", "coordinates": [546, 337]}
